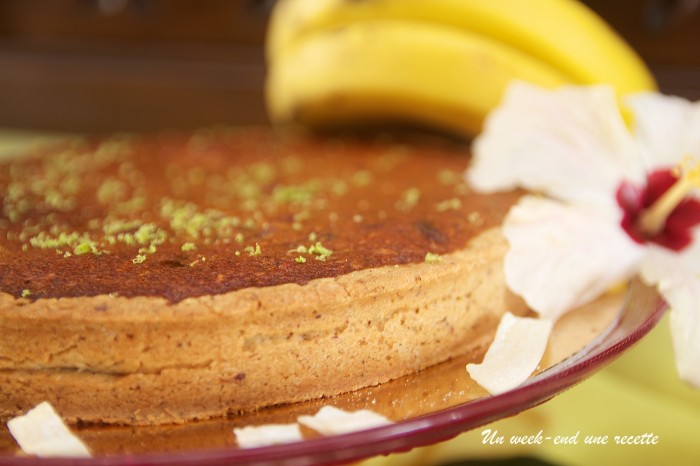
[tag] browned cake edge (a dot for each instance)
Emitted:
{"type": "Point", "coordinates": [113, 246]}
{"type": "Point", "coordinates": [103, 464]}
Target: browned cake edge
{"type": "Point", "coordinates": [144, 361]}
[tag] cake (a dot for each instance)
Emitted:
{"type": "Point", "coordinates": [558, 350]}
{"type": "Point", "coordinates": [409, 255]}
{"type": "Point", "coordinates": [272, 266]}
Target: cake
{"type": "Point", "coordinates": [175, 277]}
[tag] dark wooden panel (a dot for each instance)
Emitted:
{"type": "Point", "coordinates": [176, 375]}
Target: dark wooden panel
{"type": "Point", "coordinates": [666, 33]}
{"type": "Point", "coordinates": [142, 65]}
{"type": "Point", "coordinates": [136, 65]}
{"type": "Point", "coordinates": [202, 21]}
{"type": "Point", "coordinates": [97, 93]}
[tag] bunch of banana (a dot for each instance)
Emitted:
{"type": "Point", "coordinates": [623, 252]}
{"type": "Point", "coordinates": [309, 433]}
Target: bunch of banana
{"type": "Point", "coordinates": [440, 63]}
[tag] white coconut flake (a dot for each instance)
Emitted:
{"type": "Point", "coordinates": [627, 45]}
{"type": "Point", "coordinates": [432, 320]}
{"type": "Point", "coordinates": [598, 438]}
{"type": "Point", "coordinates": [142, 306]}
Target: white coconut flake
{"type": "Point", "coordinates": [514, 354]}
{"type": "Point", "coordinates": [267, 434]}
{"type": "Point", "coordinates": [41, 432]}
{"type": "Point", "coordinates": [330, 420]}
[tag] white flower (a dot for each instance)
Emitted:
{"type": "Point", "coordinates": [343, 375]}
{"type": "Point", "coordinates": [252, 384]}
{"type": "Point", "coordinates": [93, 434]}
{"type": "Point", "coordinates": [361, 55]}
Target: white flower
{"type": "Point", "coordinates": [608, 202]}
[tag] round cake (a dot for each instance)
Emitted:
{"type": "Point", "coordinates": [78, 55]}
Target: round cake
{"type": "Point", "coordinates": [176, 277]}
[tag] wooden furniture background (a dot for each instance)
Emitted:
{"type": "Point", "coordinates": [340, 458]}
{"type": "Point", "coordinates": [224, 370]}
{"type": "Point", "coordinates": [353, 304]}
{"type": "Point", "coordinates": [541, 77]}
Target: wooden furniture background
{"type": "Point", "coordinates": [134, 65]}
{"type": "Point", "coordinates": [142, 65]}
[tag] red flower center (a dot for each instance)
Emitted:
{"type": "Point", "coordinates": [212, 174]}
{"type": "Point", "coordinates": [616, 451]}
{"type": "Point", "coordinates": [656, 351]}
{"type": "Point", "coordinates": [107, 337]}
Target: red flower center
{"type": "Point", "coordinates": [635, 201]}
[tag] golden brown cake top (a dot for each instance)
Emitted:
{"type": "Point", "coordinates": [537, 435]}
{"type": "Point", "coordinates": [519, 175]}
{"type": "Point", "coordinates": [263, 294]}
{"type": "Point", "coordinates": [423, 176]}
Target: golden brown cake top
{"type": "Point", "coordinates": [184, 215]}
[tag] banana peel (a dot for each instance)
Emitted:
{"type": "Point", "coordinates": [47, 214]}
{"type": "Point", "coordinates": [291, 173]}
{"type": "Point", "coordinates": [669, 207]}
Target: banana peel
{"type": "Point", "coordinates": [395, 71]}
{"type": "Point", "coordinates": [438, 63]}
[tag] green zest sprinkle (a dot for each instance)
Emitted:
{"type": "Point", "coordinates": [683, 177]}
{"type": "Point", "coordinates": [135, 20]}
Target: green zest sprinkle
{"type": "Point", "coordinates": [44, 240]}
{"type": "Point", "coordinates": [253, 251]}
{"type": "Point", "coordinates": [150, 234]}
{"type": "Point", "coordinates": [139, 259]}
{"type": "Point", "coordinates": [300, 260]}
{"type": "Point", "coordinates": [189, 246]}
{"type": "Point", "coordinates": [301, 216]}
{"type": "Point", "coordinates": [450, 204]}
{"type": "Point", "coordinates": [84, 248]}
{"type": "Point", "coordinates": [432, 258]}
{"type": "Point", "coordinates": [292, 164]}
{"type": "Point", "coordinates": [295, 194]}
{"type": "Point", "coordinates": [114, 226]}
{"type": "Point", "coordinates": [339, 187]}
{"type": "Point", "coordinates": [26, 293]}
{"type": "Point", "coordinates": [362, 178]}
{"type": "Point", "coordinates": [448, 177]}
{"type": "Point", "coordinates": [475, 218]}
{"type": "Point", "coordinates": [111, 191]}
{"type": "Point", "coordinates": [151, 249]}
{"type": "Point", "coordinates": [408, 200]}
{"type": "Point", "coordinates": [320, 251]}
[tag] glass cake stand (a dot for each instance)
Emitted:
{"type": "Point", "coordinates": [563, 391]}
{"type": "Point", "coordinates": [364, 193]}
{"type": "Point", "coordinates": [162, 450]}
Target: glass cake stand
{"type": "Point", "coordinates": [428, 407]}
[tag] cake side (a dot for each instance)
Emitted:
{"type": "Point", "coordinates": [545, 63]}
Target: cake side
{"type": "Point", "coordinates": [144, 361]}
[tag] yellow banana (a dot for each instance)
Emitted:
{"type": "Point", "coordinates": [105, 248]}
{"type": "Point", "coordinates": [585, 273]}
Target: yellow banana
{"type": "Point", "coordinates": [397, 70]}
{"type": "Point", "coordinates": [563, 33]}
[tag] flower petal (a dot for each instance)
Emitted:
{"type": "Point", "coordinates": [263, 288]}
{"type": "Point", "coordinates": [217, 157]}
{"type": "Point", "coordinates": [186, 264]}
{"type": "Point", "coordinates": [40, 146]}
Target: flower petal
{"type": "Point", "coordinates": [667, 128]}
{"type": "Point", "coordinates": [684, 301]}
{"type": "Point", "coordinates": [570, 143]}
{"type": "Point", "coordinates": [662, 266]}
{"type": "Point", "coordinates": [677, 277]}
{"type": "Point", "coordinates": [563, 256]}
{"type": "Point", "coordinates": [514, 354]}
